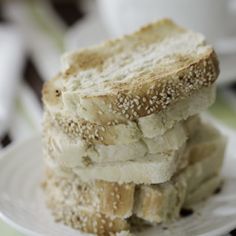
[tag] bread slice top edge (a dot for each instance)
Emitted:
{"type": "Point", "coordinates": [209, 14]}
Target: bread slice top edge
{"type": "Point", "coordinates": [140, 74]}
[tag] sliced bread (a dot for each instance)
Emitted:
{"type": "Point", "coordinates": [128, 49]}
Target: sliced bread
{"type": "Point", "coordinates": [130, 131]}
{"type": "Point", "coordinates": [133, 76]}
{"type": "Point", "coordinates": [155, 168]}
{"type": "Point", "coordinates": [110, 205]}
{"type": "Point", "coordinates": [77, 153]}
{"type": "Point", "coordinates": [162, 202]}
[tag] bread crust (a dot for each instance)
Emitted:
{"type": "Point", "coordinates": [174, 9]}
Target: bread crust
{"type": "Point", "coordinates": [111, 199]}
{"type": "Point", "coordinates": [77, 153]}
{"type": "Point", "coordinates": [163, 202]}
{"type": "Point", "coordinates": [156, 168]}
{"type": "Point", "coordinates": [127, 132]}
{"type": "Point", "coordinates": [147, 92]}
{"type": "Point", "coordinates": [137, 81]}
{"type": "Point", "coordinates": [153, 203]}
{"type": "Point", "coordinates": [130, 102]}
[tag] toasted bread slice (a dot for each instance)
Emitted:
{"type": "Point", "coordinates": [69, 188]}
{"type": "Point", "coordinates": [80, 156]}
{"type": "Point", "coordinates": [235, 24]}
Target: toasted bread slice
{"type": "Point", "coordinates": [85, 220]}
{"type": "Point", "coordinates": [71, 200]}
{"type": "Point", "coordinates": [161, 202]}
{"type": "Point", "coordinates": [77, 153]}
{"type": "Point", "coordinates": [155, 168]}
{"type": "Point", "coordinates": [100, 224]}
{"type": "Point", "coordinates": [151, 168]}
{"type": "Point", "coordinates": [131, 131]}
{"type": "Point", "coordinates": [112, 199]}
{"type": "Point", "coordinates": [133, 76]}
{"type": "Point", "coordinates": [158, 123]}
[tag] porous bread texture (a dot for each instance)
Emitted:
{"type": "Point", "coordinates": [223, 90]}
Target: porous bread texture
{"type": "Point", "coordinates": [134, 76]}
{"type": "Point", "coordinates": [155, 168]}
{"type": "Point", "coordinates": [139, 84]}
{"type": "Point", "coordinates": [72, 152]}
{"type": "Point", "coordinates": [162, 202]}
{"type": "Point", "coordinates": [129, 132]}
{"type": "Point", "coordinates": [153, 203]}
{"type": "Point", "coordinates": [112, 199]}
{"type": "Point", "coordinates": [87, 221]}
{"type": "Point", "coordinates": [158, 123]}
{"type": "Point", "coordinates": [77, 153]}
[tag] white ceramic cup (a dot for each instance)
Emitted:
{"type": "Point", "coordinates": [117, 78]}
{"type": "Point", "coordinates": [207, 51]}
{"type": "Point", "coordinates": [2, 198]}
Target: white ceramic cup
{"type": "Point", "coordinates": [216, 19]}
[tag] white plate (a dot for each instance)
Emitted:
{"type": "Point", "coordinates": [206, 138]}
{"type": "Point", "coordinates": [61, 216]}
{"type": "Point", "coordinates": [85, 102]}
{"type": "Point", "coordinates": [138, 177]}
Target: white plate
{"type": "Point", "coordinates": [22, 202]}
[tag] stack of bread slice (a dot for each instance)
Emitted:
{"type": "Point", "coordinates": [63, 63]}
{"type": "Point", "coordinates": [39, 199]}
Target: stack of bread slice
{"type": "Point", "coordinates": [122, 137]}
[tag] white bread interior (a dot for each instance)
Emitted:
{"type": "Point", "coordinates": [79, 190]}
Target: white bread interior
{"type": "Point", "coordinates": [76, 153]}
{"type": "Point", "coordinates": [133, 76]}
{"type": "Point", "coordinates": [130, 131]}
{"type": "Point", "coordinates": [162, 202]}
{"type": "Point", "coordinates": [153, 203]}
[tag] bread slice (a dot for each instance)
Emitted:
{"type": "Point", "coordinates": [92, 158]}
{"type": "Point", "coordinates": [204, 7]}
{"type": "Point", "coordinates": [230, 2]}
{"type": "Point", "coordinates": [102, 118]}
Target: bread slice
{"type": "Point", "coordinates": [152, 168]}
{"type": "Point", "coordinates": [111, 199]}
{"type": "Point", "coordinates": [133, 76]}
{"type": "Point", "coordinates": [73, 153]}
{"type": "Point", "coordinates": [100, 224]}
{"type": "Point", "coordinates": [173, 138]}
{"type": "Point", "coordinates": [155, 168]}
{"type": "Point", "coordinates": [131, 131]}
{"type": "Point", "coordinates": [85, 220]}
{"type": "Point", "coordinates": [159, 123]}
{"type": "Point", "coordinates": [161, 203]}
{"type": "Point", "coordinates": [78, 204]}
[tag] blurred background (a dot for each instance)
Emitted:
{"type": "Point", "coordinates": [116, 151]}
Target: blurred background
{"type": "Point", "coordinates": [34, 34]}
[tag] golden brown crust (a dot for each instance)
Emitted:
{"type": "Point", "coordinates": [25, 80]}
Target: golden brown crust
{"type": "Point", "coordinates": [109, 198]}
{"type": "Point", "coordinates": [156, 93]}
{"type": "Point", "coordinates": [96, 57]}
{"type": "Point", "coordinates": [86, 221]}
{"type": "Point", "coordinates": [119, 81]}
{"type": "Point", "coordinates": [85, 60]}
{"type": "Point", "coordinates": [90, 132]}
{"type": "Point", "coordinates": [134, 101]}
{"type": "Point", "coordinates": [91, 209]}
{"type": "Point", "coordinates": [149, 91]}
{"type": "Point", "coordinates": [160, 203]}
{"type": "Point", "coordinates": [75, 127]}
{"type": "Point", "coordinates": [154, 203]}
{"type": "Point", "coordinates": [116, 199]}
{"type": "Point", "coordinates": [152, 97]}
